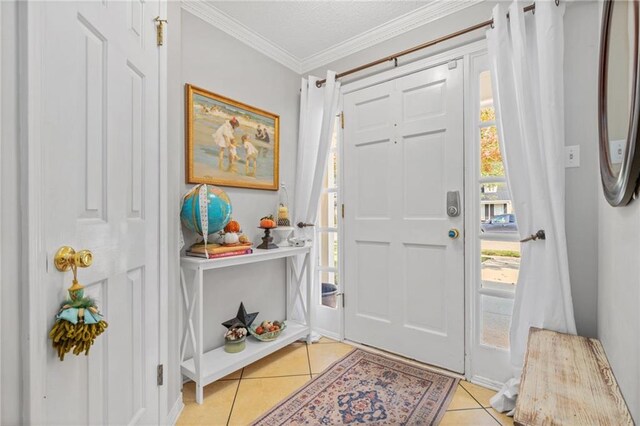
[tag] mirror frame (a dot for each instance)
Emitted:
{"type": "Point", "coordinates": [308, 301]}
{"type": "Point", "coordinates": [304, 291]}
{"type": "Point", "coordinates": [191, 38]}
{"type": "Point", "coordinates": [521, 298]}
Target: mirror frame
{"type": "Point", "coordinates": [618, 189]}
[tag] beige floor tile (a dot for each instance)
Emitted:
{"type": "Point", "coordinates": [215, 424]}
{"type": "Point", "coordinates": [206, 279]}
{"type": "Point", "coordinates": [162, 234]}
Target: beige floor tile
{"type": "Point", "coordinates": [327, 340]}
{"type": "Point", "coordinates": [322, 356]}
{"type": "Point", "coordinates": [477, 417]}
{"type": "Point", "coordinates": [478, 392]}
{"type": "Point", "coordinates": [216, 407]}
{"type": "Point", "coordinates": [233, 376]}
{"type": "Point", "coordinates": [256, 396]}
{"type": "Point", "coordinates": [501, 417]}
{"type": "Point", "coordinates": [462, 400]}
{"type": "Point", "coordinates": [289, 361]}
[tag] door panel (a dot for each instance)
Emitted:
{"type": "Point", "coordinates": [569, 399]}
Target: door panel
{"type": "Point", "coordinates": [404, 277]}
{"type": "Point", "coordinates": [373, 281]}
{"type": "Point", "coordinates": [100, 126]}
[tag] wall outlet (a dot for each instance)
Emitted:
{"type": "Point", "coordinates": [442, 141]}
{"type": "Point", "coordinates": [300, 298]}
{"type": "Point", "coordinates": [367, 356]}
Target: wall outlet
{"type": "Point", "coordinates": [572, 156]}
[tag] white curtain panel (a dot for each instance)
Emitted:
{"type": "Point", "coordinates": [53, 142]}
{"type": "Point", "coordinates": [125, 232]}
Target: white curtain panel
{"type": "Point", "coordinates": [318, 109]}
{"type": "Point", "coordinates": [526, 56]}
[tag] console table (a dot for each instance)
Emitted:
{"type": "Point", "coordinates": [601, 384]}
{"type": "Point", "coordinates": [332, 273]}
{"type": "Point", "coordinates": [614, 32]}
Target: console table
{"type": "Point", "coordinates": [206, 367]}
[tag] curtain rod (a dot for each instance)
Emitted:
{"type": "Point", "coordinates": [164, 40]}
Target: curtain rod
{"type": "Point", "coordinates": [395, 56]}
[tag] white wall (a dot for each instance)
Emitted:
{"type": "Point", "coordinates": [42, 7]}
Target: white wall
{"type": "Point", "coordinates": [580, 96]}
{"type": "Point", "coordinates": [581, 45]}
{"type": "Point", "coordinates": [202, 55]}
{"type": "Point", "coordinates": [618, 280]}
{"type": "Point", "coordinates": [10, 341]}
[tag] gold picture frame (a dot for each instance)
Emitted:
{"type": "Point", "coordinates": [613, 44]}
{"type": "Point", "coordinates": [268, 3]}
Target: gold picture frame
{"type": "Point", "coordinates": [229, 143]}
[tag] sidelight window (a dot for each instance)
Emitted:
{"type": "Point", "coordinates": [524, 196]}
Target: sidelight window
{"type": "Point", "coordinates": [499, 239]}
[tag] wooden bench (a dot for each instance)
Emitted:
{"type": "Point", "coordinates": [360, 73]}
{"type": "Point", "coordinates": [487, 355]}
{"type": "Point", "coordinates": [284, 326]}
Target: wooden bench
{"type": "Point", "coordinates": [567, 380]}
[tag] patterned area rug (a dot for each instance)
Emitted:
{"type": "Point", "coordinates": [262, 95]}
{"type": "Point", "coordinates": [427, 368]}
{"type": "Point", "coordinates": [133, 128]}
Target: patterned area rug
{"type": "Point", "coordinates": [364, 387]}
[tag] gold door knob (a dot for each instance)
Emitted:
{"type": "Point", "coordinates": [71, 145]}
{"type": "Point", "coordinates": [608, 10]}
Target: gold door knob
{"type": "Point", "coordinates": [453, 233]}
{"type": "Point", "coordinates": [66, 257]}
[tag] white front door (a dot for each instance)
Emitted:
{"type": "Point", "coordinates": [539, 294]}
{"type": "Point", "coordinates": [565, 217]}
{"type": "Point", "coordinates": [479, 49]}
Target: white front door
{"type": "Point", "coordinates": [99, 127]}
{"type": "Point", "coordinates": [404, 275]}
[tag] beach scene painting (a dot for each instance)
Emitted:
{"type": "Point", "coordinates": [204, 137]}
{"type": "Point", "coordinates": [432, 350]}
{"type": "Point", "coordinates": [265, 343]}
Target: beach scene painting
{"type": "Point", "coordinates": [230, 143]}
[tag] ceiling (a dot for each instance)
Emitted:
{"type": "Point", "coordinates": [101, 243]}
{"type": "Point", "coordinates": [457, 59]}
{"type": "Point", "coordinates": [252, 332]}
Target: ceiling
{"type": "Point", "coordinates": [304, 35]}
{"type": "Point", "coordinates": [306, 28]}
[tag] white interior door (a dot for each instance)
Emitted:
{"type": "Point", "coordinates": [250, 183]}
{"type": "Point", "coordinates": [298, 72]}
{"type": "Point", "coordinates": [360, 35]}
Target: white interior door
{"type": "Point", "coordinates": [100, 151]}
{"type": "Point", "coordinates": [404, 275]}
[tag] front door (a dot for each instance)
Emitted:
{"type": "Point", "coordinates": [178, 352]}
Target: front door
{"type": "Point", "coordinates": [99, 128]}
{"type": "Point", "coordinates": [404, 274]}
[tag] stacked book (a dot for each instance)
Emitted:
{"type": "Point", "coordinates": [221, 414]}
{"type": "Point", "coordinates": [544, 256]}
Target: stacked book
{"type": "Point", "coordinates": [215, 251]}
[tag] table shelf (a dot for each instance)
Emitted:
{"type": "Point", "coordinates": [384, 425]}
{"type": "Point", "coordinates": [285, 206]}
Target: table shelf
{"type": "Point", "coordinates": [217, 363]}
{"type": "Point", "coordinates": [258, 255]}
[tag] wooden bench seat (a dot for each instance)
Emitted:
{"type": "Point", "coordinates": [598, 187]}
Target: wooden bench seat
{"type": "Point", "coordinates": [567, 380]}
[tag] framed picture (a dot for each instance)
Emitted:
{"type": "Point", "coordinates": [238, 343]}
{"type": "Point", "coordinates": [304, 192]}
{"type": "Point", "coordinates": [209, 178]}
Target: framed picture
{"type": "Point", "coordinates": [230, 143]}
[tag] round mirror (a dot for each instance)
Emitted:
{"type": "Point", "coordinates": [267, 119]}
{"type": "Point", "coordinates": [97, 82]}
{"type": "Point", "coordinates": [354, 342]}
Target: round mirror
{"type": "Point", "coordinates": [618, 100]}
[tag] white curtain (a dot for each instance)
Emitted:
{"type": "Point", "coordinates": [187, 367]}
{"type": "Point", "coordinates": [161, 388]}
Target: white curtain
{"type": "Point", "coordinates": [318, 109]}
{"type": "Point", "coordinates": [526, 55]}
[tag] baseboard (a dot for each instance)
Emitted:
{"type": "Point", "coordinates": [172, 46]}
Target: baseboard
{"type": "Point", "coordinates": [174, 414]}
{"type": "Point", "coordinates": [487, 383]}
{"type": "Point", "coordinates": [326, 333]}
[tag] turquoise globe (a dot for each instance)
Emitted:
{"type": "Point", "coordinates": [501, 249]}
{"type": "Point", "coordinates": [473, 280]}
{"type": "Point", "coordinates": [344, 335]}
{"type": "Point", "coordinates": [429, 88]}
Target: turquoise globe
{"type": "Point", "coordinates": [218, 209]}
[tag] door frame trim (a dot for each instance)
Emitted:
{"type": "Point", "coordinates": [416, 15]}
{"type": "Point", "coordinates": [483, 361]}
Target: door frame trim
{"type": "Point", "coordinates": [164, 222]}
{"type": "Point", "coordinates": [463, 53]}
{"type": "Point", "coordinates": [30, 17]}
{"type": "Point", "coordinates": [35, 259]}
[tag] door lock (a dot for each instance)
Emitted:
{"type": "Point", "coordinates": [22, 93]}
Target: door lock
{"type": "Point", "coordinates": [454, 233]}
{"type": "Point", "coordinates": [453, 203]}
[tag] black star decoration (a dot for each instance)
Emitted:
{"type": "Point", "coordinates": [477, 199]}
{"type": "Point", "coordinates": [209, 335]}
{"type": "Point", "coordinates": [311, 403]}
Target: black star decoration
{"type": "Point", "coordinates": [242, 319]}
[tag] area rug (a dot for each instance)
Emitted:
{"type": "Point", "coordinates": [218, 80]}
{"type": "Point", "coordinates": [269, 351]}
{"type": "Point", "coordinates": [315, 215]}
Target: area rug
{"type": "Point", "coordinates": [363, 387]}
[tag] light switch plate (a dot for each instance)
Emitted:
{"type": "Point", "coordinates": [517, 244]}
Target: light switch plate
{"type": "Point", "coordinates": [572, 156]}
{"type": "Point", "coordinates": [616, 150]}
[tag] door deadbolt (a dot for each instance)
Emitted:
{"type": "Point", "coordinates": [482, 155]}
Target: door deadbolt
{"type": "Point", "coordinates": [453, 203]}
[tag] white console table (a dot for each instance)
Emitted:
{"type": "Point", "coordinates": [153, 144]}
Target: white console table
{"type": "Point", "coordinates": [206, 367]}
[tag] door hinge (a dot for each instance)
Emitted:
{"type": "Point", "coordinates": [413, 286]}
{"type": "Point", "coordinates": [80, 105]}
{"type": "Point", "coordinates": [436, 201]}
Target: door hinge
{"type": "Point", "coordinates": [160, 375]}
{"type": "Point", "coordinates": [160, 30]}
{"type": "Point", "coordinates": [342, 119]}
{"type": "Point", "coordinates": [343, 211]}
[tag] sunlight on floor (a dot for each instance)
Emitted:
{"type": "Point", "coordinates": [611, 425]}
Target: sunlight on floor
{"type": "Point", "coordinates": [243, 396]}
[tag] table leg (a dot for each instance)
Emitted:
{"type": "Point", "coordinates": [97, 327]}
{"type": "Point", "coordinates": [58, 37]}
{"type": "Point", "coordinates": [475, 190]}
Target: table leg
{"type": "Point", "coordinates": [199, 393]}
{"type": "Point", "coordinates": [309, 297]}
{"type": "Point", "coordinates": [199, 338]}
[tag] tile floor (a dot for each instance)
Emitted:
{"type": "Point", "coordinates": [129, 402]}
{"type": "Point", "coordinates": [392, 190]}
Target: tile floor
{"type": "Point", "coordinates": [243, 396]}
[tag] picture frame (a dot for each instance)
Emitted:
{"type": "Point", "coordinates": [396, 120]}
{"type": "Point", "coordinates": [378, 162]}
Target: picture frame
{"type": "Point", "coordinates": [229, 143]}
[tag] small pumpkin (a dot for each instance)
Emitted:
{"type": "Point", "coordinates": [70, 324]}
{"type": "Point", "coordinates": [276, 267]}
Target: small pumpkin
{"type": "Point", "coordinates": [267, 222]}
{"type": "Point", "coordinates": [232, 226]}
{"type": "Point", "coordinates": [231, 238]}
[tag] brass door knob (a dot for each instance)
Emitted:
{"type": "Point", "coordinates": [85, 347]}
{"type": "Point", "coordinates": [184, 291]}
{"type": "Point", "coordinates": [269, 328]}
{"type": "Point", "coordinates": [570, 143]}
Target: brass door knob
{"type": "Point", "coordinates": [453, 233]}
{"type": "Point", "coordinates": [66, 257]}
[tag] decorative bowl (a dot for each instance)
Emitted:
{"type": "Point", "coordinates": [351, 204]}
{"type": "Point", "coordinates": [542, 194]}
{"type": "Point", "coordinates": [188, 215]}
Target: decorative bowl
{"type": "Point", "coordinates": [235, 346]}
{"type": "Point", "coordinates": [269, 335]}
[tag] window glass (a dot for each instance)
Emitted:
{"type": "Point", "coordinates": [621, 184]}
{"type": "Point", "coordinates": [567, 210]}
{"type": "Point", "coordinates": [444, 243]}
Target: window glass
{"type": "Point", "coordinates": [500, 264]}
{"type": "Point", "coordinates": [495, 321]}
{"type": "Point", "coordinates": [329, 285]}
{"type": "Point", "coordinates": [328, 217]}
{"type": "Point", "coordinates": [496, 208]}
{"type": "Point", "coordinates": [487, 113]}
{"type": "Point", "coordinates": [327, 237]}
{"type": "Point", "coordinates": [490, 156]}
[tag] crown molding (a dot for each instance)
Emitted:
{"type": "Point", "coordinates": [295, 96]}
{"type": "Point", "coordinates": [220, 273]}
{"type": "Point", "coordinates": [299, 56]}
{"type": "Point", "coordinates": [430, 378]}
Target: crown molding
{"type": "Point", "coordinates": [433, 11]}
{"type": "Point", "coordinates": [436, 9]}
{"type": "Point", "coordinates": [236, 29]}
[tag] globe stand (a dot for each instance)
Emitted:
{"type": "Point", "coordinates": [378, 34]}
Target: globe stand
{"type": "Point", "coordinates": [267, 240]}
